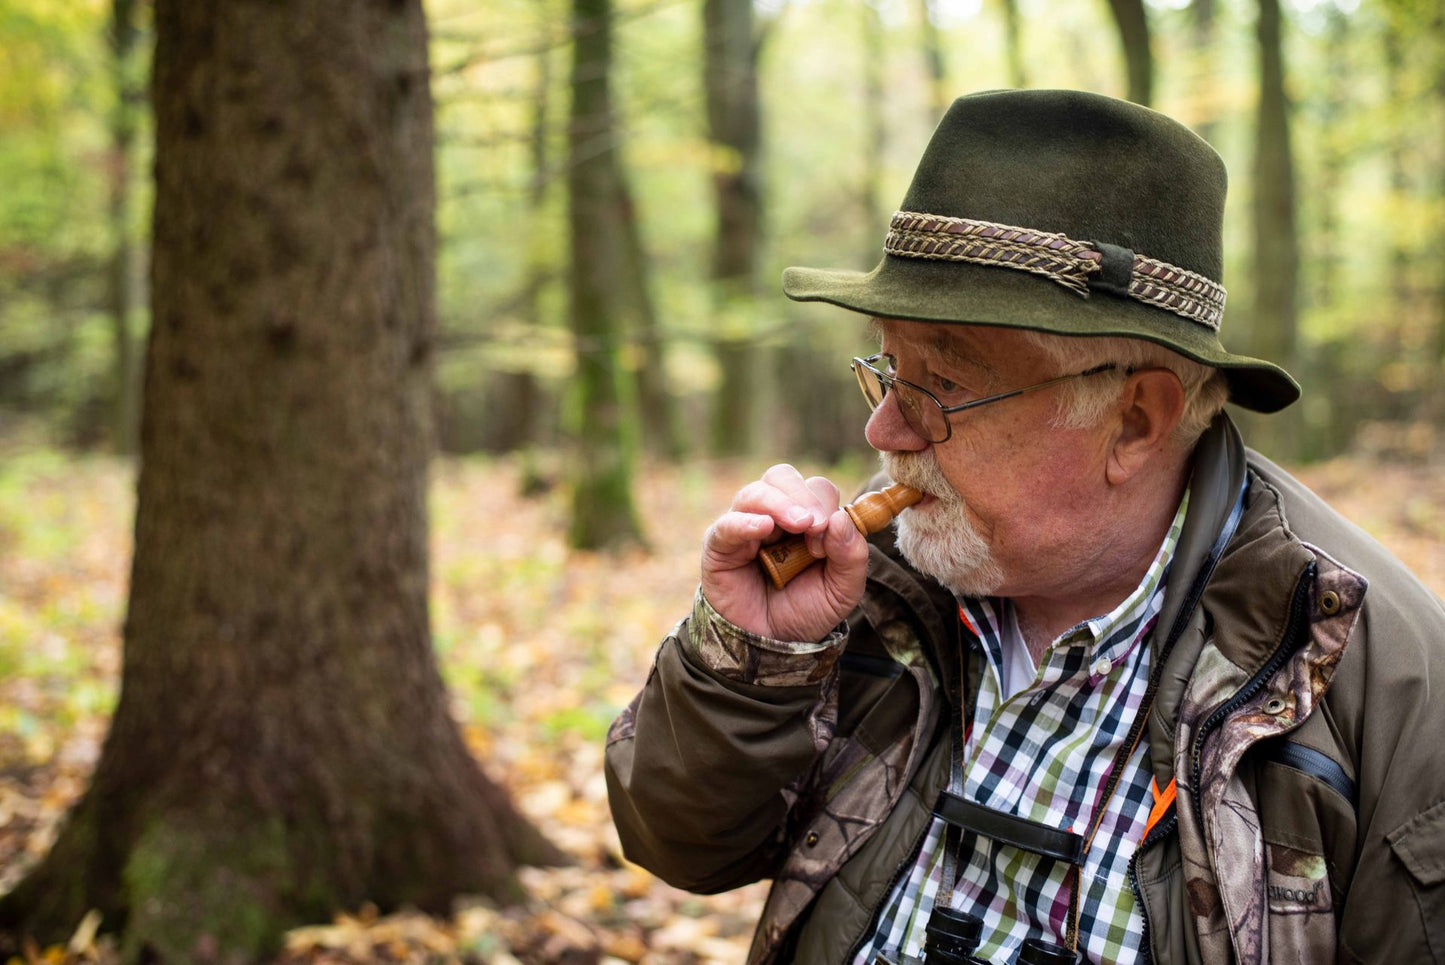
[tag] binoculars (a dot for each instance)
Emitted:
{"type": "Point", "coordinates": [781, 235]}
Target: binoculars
{"type": "Point", "coordinates": [953, 937]}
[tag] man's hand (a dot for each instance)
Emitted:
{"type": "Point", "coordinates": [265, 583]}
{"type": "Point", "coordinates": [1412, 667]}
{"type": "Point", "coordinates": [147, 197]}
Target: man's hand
{"type": "Point", "coordinates": [779, 503]}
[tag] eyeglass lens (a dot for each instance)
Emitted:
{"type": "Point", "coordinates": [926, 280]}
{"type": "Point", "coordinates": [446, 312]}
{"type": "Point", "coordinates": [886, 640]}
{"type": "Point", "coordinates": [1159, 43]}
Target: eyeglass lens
{"type": "Point", "coordinates": [922, 412]}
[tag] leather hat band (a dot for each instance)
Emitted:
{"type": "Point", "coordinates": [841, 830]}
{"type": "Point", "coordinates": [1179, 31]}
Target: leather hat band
{"type": "Point", "coordinates": [1080, 266]}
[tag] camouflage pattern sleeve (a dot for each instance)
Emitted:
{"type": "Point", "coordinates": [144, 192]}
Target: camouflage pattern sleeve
{"type": "Point", "coordinates": [705, 765]}
{"type": "Point", "coordinates": [735, 654]}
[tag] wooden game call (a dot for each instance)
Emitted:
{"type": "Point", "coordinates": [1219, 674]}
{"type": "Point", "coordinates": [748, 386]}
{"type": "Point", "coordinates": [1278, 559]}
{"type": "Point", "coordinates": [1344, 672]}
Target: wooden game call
{"type": "Point", "coordinates": [870, 512]}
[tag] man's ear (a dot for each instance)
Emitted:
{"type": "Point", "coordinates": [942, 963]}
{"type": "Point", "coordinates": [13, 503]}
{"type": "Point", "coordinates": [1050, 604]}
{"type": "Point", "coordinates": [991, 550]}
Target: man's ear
{"type": "Point", "coordinates": [1150, 406]}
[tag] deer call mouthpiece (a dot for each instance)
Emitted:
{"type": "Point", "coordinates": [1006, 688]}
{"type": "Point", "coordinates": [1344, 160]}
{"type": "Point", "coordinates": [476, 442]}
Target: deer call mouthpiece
{"type": "Point", "coordinates": [870, 512]}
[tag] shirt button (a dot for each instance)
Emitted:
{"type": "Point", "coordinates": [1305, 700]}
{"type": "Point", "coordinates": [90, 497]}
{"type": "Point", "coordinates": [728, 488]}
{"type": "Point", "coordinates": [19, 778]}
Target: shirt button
{"type": "Point", "coordinates": [1101, 667]}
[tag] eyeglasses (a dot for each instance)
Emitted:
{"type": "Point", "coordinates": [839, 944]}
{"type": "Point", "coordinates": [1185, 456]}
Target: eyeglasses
{"type": "Point", "coordinates": [921, 409]}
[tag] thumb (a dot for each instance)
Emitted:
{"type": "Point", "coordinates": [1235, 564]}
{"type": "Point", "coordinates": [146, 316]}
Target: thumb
{"type": "Point", "coordinates": [846, 568]}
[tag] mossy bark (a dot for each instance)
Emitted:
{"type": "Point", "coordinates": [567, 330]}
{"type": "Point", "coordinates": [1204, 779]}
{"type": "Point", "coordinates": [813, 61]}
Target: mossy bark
{"type": "Point", "coordinates": [1132, 23]}
{"type": "Point", "coordinates": [124, 38]}
{"type": "Point", "coordinates": [1274, 315]}
{"type": "Point", "coordinates": [282, 746]}
{"type": "Point", "coordinates": [604, 444]}
{"type": "Point", "coordinates": [731, 49]}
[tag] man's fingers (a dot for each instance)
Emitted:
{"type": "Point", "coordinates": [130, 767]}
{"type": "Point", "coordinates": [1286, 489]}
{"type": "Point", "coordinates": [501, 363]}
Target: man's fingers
{"type": "Point", "coordinates": [827, 496]}
{"type": "Point", "coordinates": [847, 565]}
{"type": "Point", "coordinates": [824, 491]}
{"type": "Point", "coordinates": [798, 505]}
{"type": "Point", "coordinates": [734, 532]}
{"type": "Point", "coordinates": [820, 596]}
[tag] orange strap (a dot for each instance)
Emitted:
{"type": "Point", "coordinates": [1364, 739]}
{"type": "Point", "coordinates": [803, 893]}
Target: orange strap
{"type": "Point", "coordinates": [963, 615]}
{"type": "Point", "coordinates": [1163, 801]}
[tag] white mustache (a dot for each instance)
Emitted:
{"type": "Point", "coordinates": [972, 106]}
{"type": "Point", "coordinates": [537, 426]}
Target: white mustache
{"type": "Point", "coordinates": [919, 470]}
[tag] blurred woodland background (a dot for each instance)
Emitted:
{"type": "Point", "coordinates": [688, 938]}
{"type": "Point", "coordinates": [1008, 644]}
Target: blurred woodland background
{"type": "Point", "coordinates": [541, 241]}
{"type": "Point", "coordinates": [742, 138]}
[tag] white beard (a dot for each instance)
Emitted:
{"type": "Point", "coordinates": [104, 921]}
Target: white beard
{"type": "Point", "coordinates": [940, 541]}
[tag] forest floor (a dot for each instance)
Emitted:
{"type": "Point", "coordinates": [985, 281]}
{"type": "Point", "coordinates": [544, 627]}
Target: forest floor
{"type": "Point", "coordinates": [540, 647]}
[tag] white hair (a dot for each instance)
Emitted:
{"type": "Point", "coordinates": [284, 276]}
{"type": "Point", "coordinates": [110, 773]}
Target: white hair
{"type": "Point", "coordinates": [1084, 401]}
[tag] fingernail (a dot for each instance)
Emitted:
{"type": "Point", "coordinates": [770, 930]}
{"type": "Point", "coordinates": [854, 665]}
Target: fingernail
{"type": "Point", "coordinates": [800, 517]}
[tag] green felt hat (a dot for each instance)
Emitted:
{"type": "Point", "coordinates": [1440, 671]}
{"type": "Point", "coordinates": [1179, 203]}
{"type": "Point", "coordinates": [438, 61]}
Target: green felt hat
{"type": "Point", "coordinates": [1065, 212]}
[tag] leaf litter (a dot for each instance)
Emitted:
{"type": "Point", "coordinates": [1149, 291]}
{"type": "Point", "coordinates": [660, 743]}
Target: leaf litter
{"type": "Point", "coordinates": [541, 646]}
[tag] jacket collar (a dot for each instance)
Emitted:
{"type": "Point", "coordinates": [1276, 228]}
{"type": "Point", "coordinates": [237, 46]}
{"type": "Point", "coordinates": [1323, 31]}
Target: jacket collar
{"type": "Point", "coordinates": [1218, 478]}
{"type": "Point", "coordinates": [1237, 596]}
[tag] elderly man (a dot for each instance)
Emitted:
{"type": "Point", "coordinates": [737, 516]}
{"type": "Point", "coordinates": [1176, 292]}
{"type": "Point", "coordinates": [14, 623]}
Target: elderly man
{"type": "Point", "coordinates": [1119, 688]}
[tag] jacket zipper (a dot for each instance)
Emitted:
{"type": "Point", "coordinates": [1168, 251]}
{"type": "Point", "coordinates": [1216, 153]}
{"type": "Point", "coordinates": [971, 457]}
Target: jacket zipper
{"type": "Point", "coordinates": [898, 874]}
{"type": "Point", "coordinates": [1169, 825]}
{"type": "Point", "coordinates": [1271, 666]}
{"type": "Point", "coordinates": [1157, 833]}
{"type": "Point", "coordinates": [933, 651]}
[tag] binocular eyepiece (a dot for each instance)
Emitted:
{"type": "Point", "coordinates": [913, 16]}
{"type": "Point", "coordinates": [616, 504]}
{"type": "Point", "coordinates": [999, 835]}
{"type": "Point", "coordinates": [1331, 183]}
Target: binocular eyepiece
{"type": "Point", "coordinates": [953, 936]}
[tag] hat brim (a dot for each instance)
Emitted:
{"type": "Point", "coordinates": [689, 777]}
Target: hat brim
{"type": "Point", "coordinates": [965, 294]}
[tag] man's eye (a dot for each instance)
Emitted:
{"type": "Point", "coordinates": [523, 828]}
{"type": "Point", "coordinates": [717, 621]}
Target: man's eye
{"type": "Point", "coordinates": [946, 386]}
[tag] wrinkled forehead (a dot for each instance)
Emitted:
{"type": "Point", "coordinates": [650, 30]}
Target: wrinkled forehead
{"type": "Point", "coordinates": [980, 346]}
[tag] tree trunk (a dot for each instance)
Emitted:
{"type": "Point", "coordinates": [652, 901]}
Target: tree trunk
{"type": "Point", "coordinates": [282, 745]}
{"type": "Point", "coordinates": [1438, 33]}
{"type": "Point", "coordinates": [124, 34]}
{"type": "Point", "coordinates": [1335, 155]}
{"type": "Point", "coordinates": [660, 430]}
{"type": "Point", "coordinates": [1398, 145]}
{"type": "Point", "coordinates": [1014, 44]}
{"type": "Point", "coordinates": [818, 415]}
{"type": "Point", "coordinates": [934, 66]}
{"type": "Point", "coordinates": [734, 126]}
{"type": "Point", "coordinates": [1205, 36]}
{"type": "Point", "coordinates": [870, 190]}
{"type": "Point", "coordinates": [1276, 243]}
{"type": "Point", "coordinates": [602, 508]}
{"type": "Point", "coordinates": [1435, 390]}
{"type": "Point", "coordinates": [539, 267]}
{"type": "Point", "coordinates": [1133, 26]}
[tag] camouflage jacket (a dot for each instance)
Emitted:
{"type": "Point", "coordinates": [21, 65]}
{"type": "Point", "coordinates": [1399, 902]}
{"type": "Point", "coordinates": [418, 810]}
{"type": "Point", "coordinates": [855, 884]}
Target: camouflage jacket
{"type": "Point", "coordinates": [1292, 715]}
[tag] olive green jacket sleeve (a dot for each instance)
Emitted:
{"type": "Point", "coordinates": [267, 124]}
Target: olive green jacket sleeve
{"type": "Point", "coordinates": [702, 768]}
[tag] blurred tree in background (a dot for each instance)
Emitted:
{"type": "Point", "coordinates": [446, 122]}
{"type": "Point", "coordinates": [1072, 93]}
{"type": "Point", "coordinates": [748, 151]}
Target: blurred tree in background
{"type": "Point", "coordinates": [74, 133]}
{"type": "Point", "coordinates": [1132, 22]}
{"type": "Point", "coordinates": [601, 225]}
{"type": "Point", "coordinates": [805, 116]}
{"type": "Point", "coordinates": [127, 71]}
{"type": "Point", "coordinates": [731, 49]}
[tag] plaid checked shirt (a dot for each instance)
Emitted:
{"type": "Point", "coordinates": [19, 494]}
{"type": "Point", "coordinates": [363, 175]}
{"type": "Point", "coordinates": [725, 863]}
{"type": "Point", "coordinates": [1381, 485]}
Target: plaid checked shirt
{"type": "Point", "coordinates": [1045, 754]}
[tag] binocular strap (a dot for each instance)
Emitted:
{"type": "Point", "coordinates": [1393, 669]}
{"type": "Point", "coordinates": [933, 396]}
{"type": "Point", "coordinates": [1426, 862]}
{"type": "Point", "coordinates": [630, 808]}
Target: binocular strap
{"type": "Point", "coordinates": [1034, 837]}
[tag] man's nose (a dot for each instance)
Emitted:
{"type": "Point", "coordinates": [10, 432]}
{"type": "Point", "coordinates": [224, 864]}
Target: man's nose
{"type": "Point", "coordinates": [888, 431]}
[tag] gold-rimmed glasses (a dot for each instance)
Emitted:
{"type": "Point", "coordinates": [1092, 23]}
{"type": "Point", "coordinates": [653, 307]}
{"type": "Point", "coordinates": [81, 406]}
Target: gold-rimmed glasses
{"type": "Point", "coordinates": [921, 409]}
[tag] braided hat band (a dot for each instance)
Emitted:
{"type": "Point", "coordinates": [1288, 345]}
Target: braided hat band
{"type": "Point", "coordinates": [1077, 265]}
